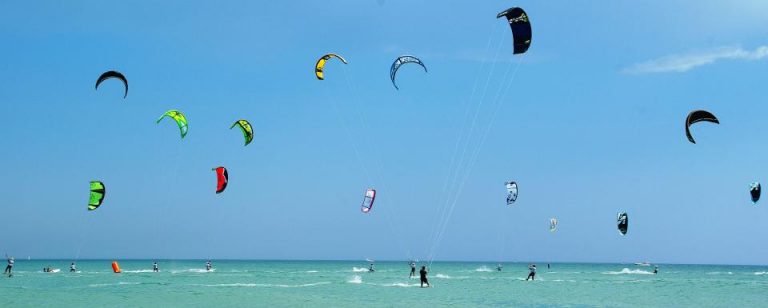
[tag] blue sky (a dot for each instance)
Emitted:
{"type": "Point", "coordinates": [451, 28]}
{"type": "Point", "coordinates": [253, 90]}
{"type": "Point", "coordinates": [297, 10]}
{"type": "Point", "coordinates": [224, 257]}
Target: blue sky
{"type": "Point", "coordinates": [592, 123]}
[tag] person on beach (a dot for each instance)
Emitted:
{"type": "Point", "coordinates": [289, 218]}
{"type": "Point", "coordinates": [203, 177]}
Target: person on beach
{"type": "Point", "coordinates": [413, 269]}
{"type": "Point", "coordinates": [155, 268]}
{"type": "Point", "coordinates": [532, 273]}
{"type": "Point", "coordinates": [423, 276]}
{"type": "Point", "coordinates": [72, 268]}
{"type": "Point", "coordinates": [208, 265]}
{"type": "Point", "coordinates": [9, 268]}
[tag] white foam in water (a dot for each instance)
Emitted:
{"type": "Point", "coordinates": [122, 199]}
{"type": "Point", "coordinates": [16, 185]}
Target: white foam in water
{"type": "Point", "coordinates": [761, 273]}
{"type": "Point", "coordinates": [312, 271]}
{"type": "Point", "coordinates": [627, 271]}
{"type": "Point", "coordinates": [358, 269]}
{"type": "Point", "coordinates": [138, 271]}
{"type": "Point", "coordinates": [441, 276]}
{"type": "Point", "coordinates": [356, 279]}
{"type": "Point", "coordinates": [401, 285]}
{"type": "Point", "coordinates": [267, 285]}
{"type": "Point", "coordinates": [483, 269]}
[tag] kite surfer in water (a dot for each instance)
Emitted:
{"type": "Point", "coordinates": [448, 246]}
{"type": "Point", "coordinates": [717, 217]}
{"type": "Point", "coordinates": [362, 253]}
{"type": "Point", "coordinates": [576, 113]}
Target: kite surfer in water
{"type": "Point", "coordinates": [532, 273]}
{"type": "Point", "coordinates": [9, 268]}
{"type": "Point", "coordinates": [656, 269]}
{"type": "Point", "coordinates": [499, 267]}
{"type": "Point", "coordinates": [423, 276]}
{"type": "Point", "coordinates": [72, 268]}
{"type": "Point", "coordinates": [208, 265]}
{"type": "Point", "coordinates": [155, 268]}
{"type": "Point", "coordinates": [370, 268]}
{"type": "Point", "coordinates": [413, 269]}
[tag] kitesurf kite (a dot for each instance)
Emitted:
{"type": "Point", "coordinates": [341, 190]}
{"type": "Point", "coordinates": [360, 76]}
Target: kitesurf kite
{"type": "Point", "coordinates": [246, 128]}
{"type": "Point", "coordinates": [511, 192]}
{"type": "Point", "coordinates": [370, 197]}
{"type": "Point", "coordinates": [113, 74]}
{"type": "Point", "coordinates": [321, 64]}
{"type": "Point", "coordinates": [222, 178]}
{"type": "Point", "coordinates": [552, 224]}
{"type": "Point", "coordinates": [622, 222]}
{"type": "Point", "coordinates": [399, 62]}
{"type": "Point", "coordinates": [521, 28]}
{"type": "Point", "coordinates": [180, 119]}
{"type": "Point", "coordinates": [695, 117]}
{"type": "Point", "coordinates": [98, 191]}
{"type": "Point", "coordinates": [754, 191]}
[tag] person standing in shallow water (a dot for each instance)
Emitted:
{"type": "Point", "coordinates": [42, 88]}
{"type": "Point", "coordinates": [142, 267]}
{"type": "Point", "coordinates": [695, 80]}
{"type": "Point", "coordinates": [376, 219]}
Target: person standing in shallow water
{"type": "Point", "coordinates": [532, 273]}
{"type": "Point", "coordinates": [413, 269]}
{"type": "Point", "coordinates": [656, 269]}
{"type": "Point", "coordinates": [208, 265]}
{"type": "Point", "coordinates": [9, 268]}
{"type": "Point", "coordinates": [423, 276]}
{"type": "Point", "coordinates": [155, 268]}
{"type": "Point", "coordinates": [72, 268]}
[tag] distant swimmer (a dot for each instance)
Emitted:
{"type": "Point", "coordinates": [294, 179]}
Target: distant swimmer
{"type": "Point", "coordinates": [370, 268]}
{"type": "Point", "coordinates": [656, 269]}
{"type": "Point", "coordinates": [72, 268]}
{"type": "Point", "coordinates": [9, 268]}
{"type": "Point", "coordinates": [413, 269]}
{"type": "Point", "coordinates": [499, 267]}
{"type": "Point", "coordinates": [532, 273]}
{"type": "Point", "coordinates": [155, 268]}
{"type": "Point", "coordinates": [548, 266]}
{"type": "Point", "coordinates": [208, 265]}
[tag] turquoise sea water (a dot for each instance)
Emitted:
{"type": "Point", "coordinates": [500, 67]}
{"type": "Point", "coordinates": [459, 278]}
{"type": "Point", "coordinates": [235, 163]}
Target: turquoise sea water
{"type": "Point", "coordinates": [349, 284]}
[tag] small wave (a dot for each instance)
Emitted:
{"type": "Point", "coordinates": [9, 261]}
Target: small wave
{"type": "Point", "coordinates": [122, 283]}
{"type": "Point", "coordinates": [629, 271]}
{"type": "Point", "coordinates": [355, 279]}
{"type": "Point", "coordinates": [719, 273]}
{"type": "Point", "coordinates": [400, 284]}
{"type": "Point", "coordinates": [312, 271]}
{"type": "Point", "coordinates": [761, 273]}
{"type": "Point", "coordinates": [441, 276]}
{"type": "Point", "coordinates": [483, 269]}
{"type": "Point", "coordinates": [194, 270]}
{"type": "Point", "coordinates": [138, 271]}
{"type": "Point", "coordinates": [267, 285]}
{"type": "Point", "coordinates": [359, 269]}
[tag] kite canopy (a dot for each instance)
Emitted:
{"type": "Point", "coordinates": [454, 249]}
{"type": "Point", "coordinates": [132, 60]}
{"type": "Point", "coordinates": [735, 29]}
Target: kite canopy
{"type": "Point", "coordinates": [370, 197]}
{"type": "Point", "coordinates": [321, 64]}
{"type": "Point", "coordinates": [521, 28]}
{"type": "Point", "coordinates": [695, 117]}
{"type": "Point", "coordinates": [754, 191]}
{"type": "Point", "coordinates": [622, 222]}
{"type": "Point", "coordinates": [511, 192]}
{"type": "Point", "coordinates": [222, 178]}
{"type": "Point", "coordinates": [113, 74]}
{"type": "Point", "coordinates": [98, 191]}
{"type": "Point", "coordinates": [552, 224]}
{"type": "Point", "coordinates": [399, 62]}
{"type": "Point", "coordinates": [180, 119]}
{"type": "Point", "coordinates": [246, 128]}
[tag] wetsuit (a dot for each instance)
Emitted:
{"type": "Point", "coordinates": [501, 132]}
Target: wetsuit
{"type": "Point", "coordinates": [532, 274]}
{"type": "Point", "coordinates": [155, 268]}
{"type": "Point", "coordinates": [423, 276]}
{"type": "Point", "coordinates": [9, 268]}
